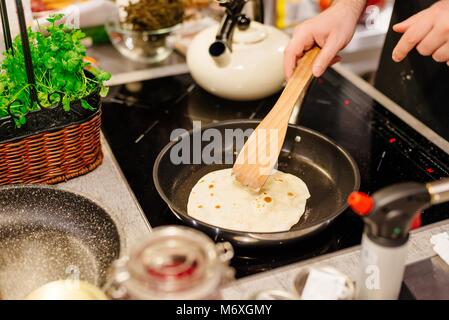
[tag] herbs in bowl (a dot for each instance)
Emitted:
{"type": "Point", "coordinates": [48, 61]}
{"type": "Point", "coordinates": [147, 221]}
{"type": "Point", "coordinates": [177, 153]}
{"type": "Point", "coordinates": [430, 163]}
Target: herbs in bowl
{"type": "Point", "coordinates": [62, 73]}
{"type": "Point", "coordinates": [140, 28]}
{"type": "Point", "coordinates": [151, 15]}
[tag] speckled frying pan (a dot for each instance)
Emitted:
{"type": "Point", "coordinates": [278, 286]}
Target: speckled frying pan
{"type": "Point", "coordinates": [330, 173]}
{"type": "Point", "coordinates": [48, 234]}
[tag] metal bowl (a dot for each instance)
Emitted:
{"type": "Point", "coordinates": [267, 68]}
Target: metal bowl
{"type": "Point", "coordinates": [47, 234]}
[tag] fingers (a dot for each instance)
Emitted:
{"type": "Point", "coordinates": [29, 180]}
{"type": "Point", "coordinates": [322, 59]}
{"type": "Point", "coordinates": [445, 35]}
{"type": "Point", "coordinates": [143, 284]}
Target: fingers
{"type": "Point", "coordinates": [431, 43]}
{"type": "Point", "coordinates": [291, 55]}
{"type": "Point", "coordinates": [301, 41]}
{"type": "Point", "coordinates": [411, 38]}
{"type": "Point", "coordinates": [427, 31]}
{"type": "Point", "coordinates": [442, 54]}
{"type": "Point", "coordinates": [404, 25]}
{"type": "Point", "coordinates": [294, 53]}
{"type": "Point", "coordinates": [327, 55]}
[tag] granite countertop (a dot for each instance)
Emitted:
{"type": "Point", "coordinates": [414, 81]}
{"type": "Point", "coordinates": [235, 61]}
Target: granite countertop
{"type": "Point", "coordinates": [124, 70]}
{"type": "Point", "coordinates": [107, 186]}
{"type": "Point", "coordinates": [346, 261]}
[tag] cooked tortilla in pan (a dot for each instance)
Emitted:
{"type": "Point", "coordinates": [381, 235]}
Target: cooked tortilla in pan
{"type": "Point", "coordinates": [217, 199]}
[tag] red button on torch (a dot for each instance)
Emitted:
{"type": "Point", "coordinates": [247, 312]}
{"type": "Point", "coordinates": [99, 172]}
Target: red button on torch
{"type": "Point", "coordinates": [360, 203]}
{"type": "Point", "coordinates": [417, 222]}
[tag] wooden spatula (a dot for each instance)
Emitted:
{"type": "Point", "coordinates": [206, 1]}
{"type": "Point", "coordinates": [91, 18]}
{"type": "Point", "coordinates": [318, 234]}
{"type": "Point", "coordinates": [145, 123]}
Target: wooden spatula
{"type": "Point", "coordinates": [259, 155]}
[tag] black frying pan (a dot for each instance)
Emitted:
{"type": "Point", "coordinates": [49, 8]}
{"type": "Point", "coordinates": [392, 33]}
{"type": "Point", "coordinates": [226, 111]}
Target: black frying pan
{"type": "Point", "coordinates": [47, 234]}
{"type": "Point", "coordinates": [329, 172]}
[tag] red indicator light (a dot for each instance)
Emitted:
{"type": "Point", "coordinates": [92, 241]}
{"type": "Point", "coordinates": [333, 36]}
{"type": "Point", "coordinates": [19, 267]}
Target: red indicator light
{"type": "Point", "coordinates": [392, 140]}
{"type": "Point", "coordinates": [346, 102]}
{"type": "Point", "coordinates": [360, 203]}
{"type": "Point", "coordinates": [430, 170]}
{"type": "Point", "coordinates": [417, 222]}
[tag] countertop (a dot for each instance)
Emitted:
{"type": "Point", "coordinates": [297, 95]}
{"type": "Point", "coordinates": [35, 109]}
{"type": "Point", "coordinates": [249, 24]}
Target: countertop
{"type": "Point", "coordinates": [346, 261]}
{"type": "Point", "coordinates": [107, 186]}
{"type": "Point", "coordinates": [124, 70]}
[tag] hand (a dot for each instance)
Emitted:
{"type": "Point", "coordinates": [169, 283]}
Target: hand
{"type": "Point", "coordinates": [331, 30]}
{"type": "Point", "coordinates": [428, 31]}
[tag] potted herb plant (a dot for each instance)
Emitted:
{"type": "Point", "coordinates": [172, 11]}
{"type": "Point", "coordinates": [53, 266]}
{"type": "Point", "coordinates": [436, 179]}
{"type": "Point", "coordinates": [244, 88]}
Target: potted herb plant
{"type": "Point", "coordinates": [58, 131]}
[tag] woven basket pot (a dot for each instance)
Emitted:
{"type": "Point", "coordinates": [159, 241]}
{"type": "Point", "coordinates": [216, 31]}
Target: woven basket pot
{"type": "Point", "coordinates": [53, 146]}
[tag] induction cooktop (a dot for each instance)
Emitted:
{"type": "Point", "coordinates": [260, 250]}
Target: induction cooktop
{"type": "Point", "coordinates": [138, 119]}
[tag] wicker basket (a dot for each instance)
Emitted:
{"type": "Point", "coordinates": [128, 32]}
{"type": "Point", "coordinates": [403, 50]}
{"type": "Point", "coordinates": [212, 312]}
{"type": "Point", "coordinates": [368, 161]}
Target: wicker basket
{"type": "Point", "coordinates": [53, 145]}
{"type": "Point", "coordinates": [55, 155]}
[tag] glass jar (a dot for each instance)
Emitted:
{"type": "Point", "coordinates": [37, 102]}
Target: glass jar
{"type": "Point", "coordinates": [175, 263]}
{"type": "Point", "coordinates": [140, 28]}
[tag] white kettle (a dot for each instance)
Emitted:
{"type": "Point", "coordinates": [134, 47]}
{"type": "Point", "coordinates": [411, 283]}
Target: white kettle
{"type": "Point", "coordinates": [240, 59]}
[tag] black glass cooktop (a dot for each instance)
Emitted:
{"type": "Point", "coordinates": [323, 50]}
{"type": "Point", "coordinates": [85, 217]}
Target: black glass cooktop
{"type": "Point", "coordinates": [138, 119]}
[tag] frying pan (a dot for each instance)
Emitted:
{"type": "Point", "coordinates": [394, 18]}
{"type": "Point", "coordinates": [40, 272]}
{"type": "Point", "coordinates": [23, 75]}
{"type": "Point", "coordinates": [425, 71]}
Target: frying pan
{"type": "Point", "coordinates": [330, 173]}
{"type": "Point", "coordinates": [48, 234]}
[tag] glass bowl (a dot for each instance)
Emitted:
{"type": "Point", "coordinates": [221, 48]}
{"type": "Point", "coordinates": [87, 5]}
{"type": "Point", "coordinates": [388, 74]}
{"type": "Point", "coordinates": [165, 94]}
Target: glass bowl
{"type": "Point", "coordinates": [140, 46]}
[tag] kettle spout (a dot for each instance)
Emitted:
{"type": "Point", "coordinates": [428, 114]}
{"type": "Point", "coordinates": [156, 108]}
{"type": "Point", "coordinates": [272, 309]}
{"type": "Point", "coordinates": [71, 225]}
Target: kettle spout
{"type": "Point", "coordinates": [220, 53]}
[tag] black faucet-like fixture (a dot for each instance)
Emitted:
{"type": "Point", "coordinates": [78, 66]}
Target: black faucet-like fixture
{"type": "Point", "coordinates": [233, 18]}
{"type": "Point", "coordinates": [5, 25]}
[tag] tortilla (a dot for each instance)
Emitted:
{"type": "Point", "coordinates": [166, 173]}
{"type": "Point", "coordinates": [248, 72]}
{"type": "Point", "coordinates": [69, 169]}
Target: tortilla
{"type": "Point", "coordinates": [217, 199]}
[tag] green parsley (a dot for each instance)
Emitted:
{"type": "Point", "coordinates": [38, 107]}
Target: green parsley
{"type": "Point", "coordinates": [58, 61]}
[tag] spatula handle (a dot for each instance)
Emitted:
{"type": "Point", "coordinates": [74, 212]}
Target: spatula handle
{"type": "Point", "coordinates": [300, 79]}
{"type": "Point", "coordinates": [273, 127]}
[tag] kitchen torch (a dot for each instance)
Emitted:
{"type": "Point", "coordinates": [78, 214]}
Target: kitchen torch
{"type": "Point", "coordinates": [389, 215]}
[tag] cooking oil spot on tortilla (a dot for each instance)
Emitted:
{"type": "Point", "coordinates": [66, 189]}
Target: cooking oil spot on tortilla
{"type": "Point", "coordinates": [267, 199]}
{"type": "Point", "coordinates": [200, 206]}
{"type": "Point", "coordinates": [211, 186]}
{"type": "Point", "coordinates": [217, 206]}
{"type": "Point", "coordinates": [211, 194]}
{"type": "Point", "coordinates": [290, 194]}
